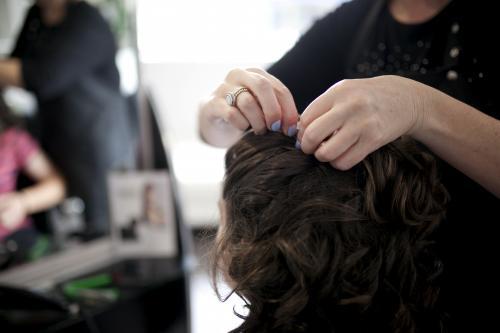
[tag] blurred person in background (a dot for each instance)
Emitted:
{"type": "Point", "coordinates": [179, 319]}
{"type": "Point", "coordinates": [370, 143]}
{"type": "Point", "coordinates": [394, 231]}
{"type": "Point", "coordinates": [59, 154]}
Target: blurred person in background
{"type": "Point", "coordinates": [65, 55]}
{"type": "Point", "coordinates": [20, 153]}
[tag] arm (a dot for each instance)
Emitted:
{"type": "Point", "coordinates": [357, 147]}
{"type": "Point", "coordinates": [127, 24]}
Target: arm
{"type": "Point", "coordinates": [356, 117]}
{"type": "Point", "coordinates": [464, 137]}
{"type": "Point", "coordinates": [49, 189]}
{"type": "Point", "coordinates": [47, 192]}
{"type": "Point", "coordinates": [10, 73]}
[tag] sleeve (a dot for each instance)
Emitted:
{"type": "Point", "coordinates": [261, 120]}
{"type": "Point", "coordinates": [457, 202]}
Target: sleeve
{"type": "Point", "coordinates": [82, 43]}
{"type": "Point", "coordinates": [25, 147]}
{"type": "Point", "coordinates": [318, 59]}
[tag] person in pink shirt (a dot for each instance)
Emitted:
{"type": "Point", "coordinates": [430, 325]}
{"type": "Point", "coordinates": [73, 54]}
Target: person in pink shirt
{"type": "Point", "coordinates": [19, 152]}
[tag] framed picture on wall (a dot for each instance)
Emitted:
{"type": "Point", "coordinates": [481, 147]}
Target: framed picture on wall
{"type": "Point", "coordinates": [142, 213]}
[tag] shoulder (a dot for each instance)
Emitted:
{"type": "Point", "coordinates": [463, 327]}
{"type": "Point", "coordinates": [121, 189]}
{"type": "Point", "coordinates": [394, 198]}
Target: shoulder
{"type": "Point", "coordinates": [24, 144]}
{"type": "Point", "coordinates": [10, 135]}
{"type": "Point", "coordinates": [342, 21]}
{"type": "Point", "coordinates": [85, 19]}
{"type": "Point", "coordinates": [14, 135]}
{"type": "Point", "coordinates": [355, 7]}
{"type": "Point", "coordinates": [336, 29]}
{"type": "Point", "coordinates": [83, 8]}
{"type": "Point", "coordinates": [84, 13]}
{"type": "Point", "coordinates": [32, 14]}
{"type": "Point", "coordinates": [18, 145]}
{"type": "Point", "coordinates": [350, 11]}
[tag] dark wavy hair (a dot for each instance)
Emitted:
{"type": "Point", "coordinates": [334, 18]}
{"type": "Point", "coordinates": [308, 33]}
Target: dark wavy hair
{"type": "Point", "coordinates": [7, 118]}
{"type": "Point", "coordinates": [313, 249]}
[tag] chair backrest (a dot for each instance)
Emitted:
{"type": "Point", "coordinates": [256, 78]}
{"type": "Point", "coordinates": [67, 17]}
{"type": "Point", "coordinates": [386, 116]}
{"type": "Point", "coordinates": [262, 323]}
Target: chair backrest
{"type": "Point", "coordinates": [161, 160]}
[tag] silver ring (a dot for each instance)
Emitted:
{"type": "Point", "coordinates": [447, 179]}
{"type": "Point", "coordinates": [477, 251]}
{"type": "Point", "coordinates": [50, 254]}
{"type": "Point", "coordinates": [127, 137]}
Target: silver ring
{"type": "Point", "coordinates": [232, 96]}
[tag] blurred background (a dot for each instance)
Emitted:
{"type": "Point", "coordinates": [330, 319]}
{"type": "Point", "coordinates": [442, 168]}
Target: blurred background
{"type": "Point", "coordinates": [170, 56]}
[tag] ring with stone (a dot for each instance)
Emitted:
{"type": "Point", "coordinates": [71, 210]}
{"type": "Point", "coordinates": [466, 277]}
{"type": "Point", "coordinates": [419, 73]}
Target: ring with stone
{"type": "Point", "coordinates": [232, 96]}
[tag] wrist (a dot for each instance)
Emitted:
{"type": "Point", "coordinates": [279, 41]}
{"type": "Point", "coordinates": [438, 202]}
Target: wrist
{"type": "Point", "coordinates": [425, 105]}
{"type": "Point", "coordinates": [24, 199]}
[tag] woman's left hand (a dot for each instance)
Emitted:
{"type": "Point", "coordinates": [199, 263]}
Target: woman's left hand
{"type": "Point", "coordinates": [356, 117]}
{"type": "Point", "coordinates": [12, 210]}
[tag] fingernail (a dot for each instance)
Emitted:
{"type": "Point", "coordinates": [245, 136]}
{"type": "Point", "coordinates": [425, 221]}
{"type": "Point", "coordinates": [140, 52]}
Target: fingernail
{"type": "Point", "coordinates": [297, 145]}
{"type": "Point", "coordinates": [292, 130]}
{"type": "Point", "coordinates": [276, 126]}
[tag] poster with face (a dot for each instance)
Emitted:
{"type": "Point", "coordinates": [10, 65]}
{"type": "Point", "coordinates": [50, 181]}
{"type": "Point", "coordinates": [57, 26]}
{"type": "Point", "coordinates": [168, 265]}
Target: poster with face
{"type": "Point", "coordinates": [142, 213]}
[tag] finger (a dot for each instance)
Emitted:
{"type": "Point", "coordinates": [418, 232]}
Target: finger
{"type": "Point", "coordinates": [322, 104]}
{"type": "Point", "coordinates": [289, 113]}
{"type": "Point", "coordinates": [251, 110]}
{"type": "Point", "coordinates": [320, 129]}
{"type": "Point", "coordinates": [353, 155]}
{"type": "Point", "coordinates": [263, 91]}
{"type": "Point", "coordinates": [337, 144]}
{"type": "Point", "coordinates": [220, 110]}
{"type": "Point", "coordinates": [231, 115]}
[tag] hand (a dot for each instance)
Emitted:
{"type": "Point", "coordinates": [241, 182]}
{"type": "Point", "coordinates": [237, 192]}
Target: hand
{"type": "Point", "coordinates": [268, 105]}
{"type": "Point", "coordinates": [10, 72]}
{"type": "Point", "coordinates": [12, 210]}
{"type": "Point", "coordinates": [356, 117]}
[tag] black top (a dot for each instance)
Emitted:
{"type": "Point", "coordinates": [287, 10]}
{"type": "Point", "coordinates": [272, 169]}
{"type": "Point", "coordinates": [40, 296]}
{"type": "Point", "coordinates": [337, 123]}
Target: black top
{"type": "Point", "coordinates": [83, 121]}
{"type": "Point", "coordinates": [450, 52]}
{"type": "Point", "coordinates": [54, 58]}
{"type": "Point", "coordinates": [71, 69]}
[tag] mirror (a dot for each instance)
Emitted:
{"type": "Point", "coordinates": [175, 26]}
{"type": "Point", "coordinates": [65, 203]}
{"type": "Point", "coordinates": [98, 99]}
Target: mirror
{"type": "Point", "coordinates": [76, 105]}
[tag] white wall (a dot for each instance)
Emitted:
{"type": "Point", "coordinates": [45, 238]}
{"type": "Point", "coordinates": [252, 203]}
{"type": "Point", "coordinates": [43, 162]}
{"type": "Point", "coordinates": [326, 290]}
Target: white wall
{"type": "Point", "coordinates": [177, 89]}
{"type": "Point", "coordinates": [12, 14]}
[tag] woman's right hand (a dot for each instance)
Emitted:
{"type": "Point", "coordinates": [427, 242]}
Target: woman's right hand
{"type": "Point", "coordinates": [268, 105]}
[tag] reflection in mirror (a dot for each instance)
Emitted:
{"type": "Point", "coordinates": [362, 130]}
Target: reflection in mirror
{"type": "Point", "coordinates": [61, 76]}
{"type": "Point", "coordinates": [20, 152]}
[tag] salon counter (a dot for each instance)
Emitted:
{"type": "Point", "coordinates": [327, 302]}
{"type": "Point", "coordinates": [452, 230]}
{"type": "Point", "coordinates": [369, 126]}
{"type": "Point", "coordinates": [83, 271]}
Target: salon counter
{"type": "Point", "coordinates": [150, 294]}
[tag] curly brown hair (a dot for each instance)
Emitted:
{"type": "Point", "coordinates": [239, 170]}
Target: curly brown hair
{"type": "Point", "coordinates": [313, 249]}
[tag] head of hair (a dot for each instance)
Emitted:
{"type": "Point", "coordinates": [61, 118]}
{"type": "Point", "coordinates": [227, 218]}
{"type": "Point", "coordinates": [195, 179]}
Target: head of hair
{"type": "Point", "coordinates": [7, 118]}
{"type": "Point", "coordinates": [313, 249]}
